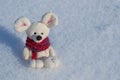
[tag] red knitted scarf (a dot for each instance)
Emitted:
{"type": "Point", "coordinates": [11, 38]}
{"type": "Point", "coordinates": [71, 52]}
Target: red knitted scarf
{"type": "Point", "coordinates": [37, 47]}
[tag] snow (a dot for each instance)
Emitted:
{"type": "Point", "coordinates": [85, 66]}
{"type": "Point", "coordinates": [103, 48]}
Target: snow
{"type": "Point", "coordinates": [87, 39]}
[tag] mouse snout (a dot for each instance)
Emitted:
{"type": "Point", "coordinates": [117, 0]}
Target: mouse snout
{"type": "Point", "coordinates": [38, 37]}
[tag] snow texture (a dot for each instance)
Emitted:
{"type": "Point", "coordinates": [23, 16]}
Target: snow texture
{"type": "Point", "coordinates": [87, 39]}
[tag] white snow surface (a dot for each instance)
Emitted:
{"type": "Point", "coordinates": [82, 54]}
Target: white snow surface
{"type": "Point", "coordinates": [87, 39]}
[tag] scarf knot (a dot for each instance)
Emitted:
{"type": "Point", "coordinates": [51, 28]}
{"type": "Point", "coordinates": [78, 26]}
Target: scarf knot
{"type": "Point", "coordinates": [37, 47]}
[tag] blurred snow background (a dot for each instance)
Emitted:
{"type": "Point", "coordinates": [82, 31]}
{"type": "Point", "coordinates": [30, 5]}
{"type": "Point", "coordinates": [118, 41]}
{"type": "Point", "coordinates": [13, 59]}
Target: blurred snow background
{"type": "Point", "coordinates": [87, 39]}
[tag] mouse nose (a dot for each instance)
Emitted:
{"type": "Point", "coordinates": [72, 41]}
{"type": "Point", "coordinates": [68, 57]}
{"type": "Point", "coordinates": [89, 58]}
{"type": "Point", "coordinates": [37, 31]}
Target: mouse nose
{"type": "Point", "coordinates": [38, 37]}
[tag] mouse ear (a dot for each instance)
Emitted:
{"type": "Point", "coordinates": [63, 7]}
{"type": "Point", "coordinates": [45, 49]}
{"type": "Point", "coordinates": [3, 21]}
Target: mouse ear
{"type": "Point", "coordinates": [50, 19]}
{"type": "Point", "coordinates": [22, 24]}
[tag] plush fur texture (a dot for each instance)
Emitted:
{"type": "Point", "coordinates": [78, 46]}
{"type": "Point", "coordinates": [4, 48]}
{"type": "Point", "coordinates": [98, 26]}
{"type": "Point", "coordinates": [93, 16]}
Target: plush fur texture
{"type": "Point", "coordinates": [38, 31]}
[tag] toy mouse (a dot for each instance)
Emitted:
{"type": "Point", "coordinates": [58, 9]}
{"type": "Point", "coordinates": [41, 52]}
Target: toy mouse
{"type": "Point", "coordinates": [37, 48]}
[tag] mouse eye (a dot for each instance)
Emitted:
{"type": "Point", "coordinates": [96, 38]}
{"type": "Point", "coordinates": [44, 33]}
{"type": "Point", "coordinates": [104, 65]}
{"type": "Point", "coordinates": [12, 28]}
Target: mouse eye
{"type": "Point", "coordinates": [35, 33]}
{"type": "Point", "coordinates": [41, 33]}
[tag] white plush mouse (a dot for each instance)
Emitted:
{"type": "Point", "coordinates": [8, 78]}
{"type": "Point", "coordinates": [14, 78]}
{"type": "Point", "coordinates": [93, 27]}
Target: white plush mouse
{"type": "Point", "coordinates": [38, 49]}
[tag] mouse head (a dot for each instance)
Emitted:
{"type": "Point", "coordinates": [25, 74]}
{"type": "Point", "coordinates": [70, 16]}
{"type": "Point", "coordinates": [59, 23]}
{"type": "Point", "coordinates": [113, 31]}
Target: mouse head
{"type": "Point", "coordinates": [36, 31]}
